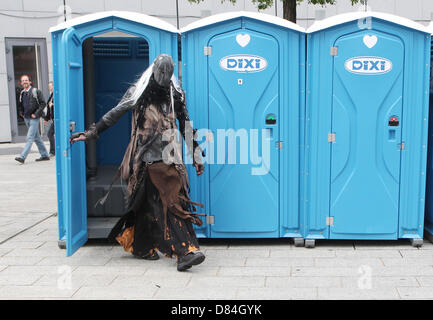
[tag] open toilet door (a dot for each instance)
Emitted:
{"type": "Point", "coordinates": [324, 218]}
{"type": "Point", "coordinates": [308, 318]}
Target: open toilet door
{"type": "Point", "coordinates": [73, 156]}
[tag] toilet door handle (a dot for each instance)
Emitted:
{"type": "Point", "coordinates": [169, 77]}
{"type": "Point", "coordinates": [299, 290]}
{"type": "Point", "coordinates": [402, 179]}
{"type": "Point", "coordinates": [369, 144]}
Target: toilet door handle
{"type": "Point", "coordinates": [72, 125]}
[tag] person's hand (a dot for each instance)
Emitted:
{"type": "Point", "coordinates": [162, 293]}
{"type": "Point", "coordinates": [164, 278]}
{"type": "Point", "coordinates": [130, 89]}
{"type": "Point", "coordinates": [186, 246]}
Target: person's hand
{"type": "Point", "coordinates": [33, 116]}
{"type": "Point", "coordinates": [50, 104]}
{"type": "Point", "coordinates": [77, 137]}
{"type": "Point", "coordinates": [22, 115]}
{"type": "Point", "coordinates": [199, 168]}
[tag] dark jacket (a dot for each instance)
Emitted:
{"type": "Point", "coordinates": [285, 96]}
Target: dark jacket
{"type": "Point", "coordinates": [36, 104]}
{"type": "Point", "coordinates": [50, 110]}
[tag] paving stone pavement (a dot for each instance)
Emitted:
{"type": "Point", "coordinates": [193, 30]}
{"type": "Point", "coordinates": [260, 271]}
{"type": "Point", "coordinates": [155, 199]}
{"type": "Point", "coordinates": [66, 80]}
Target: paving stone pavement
{"type": "Point", "coordinates": [33, 267]}
{"type": "Point", "coordinates": [27, 191]}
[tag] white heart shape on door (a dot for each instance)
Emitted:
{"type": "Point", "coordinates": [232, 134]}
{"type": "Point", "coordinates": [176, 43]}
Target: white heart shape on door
{"type": "Point", "coordinates": [370, 41]}
{"type": "Point", "coordinates": [243, 39]}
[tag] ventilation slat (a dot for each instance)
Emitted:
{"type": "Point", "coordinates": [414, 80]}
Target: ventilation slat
{"type": "Point", "coordinates": [104, 48]}
{"type": "Point", "coordinates": [142, 49]}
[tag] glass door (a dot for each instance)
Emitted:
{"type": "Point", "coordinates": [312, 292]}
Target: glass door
{"type": "Point", "coordinates": [24, 56]}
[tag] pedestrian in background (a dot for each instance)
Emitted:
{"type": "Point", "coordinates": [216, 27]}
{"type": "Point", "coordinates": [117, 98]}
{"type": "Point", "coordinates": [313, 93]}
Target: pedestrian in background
{"type": "Point", "coordinates": [31, 104]}
{"type": "Point", "coordinates": [49, 118]}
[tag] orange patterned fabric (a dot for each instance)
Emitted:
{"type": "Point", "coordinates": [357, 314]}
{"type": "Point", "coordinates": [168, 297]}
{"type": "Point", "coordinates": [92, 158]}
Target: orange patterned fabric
{"type": "Point", "coordinates": [126, 239]}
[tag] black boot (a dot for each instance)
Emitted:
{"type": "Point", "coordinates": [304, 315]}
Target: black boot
{"type": "Point", "coordinates": [148, 256]}
{"type": "Point", "coordinates": [189, 260]}
{"type": "Point", "coordinates": [42, 159]}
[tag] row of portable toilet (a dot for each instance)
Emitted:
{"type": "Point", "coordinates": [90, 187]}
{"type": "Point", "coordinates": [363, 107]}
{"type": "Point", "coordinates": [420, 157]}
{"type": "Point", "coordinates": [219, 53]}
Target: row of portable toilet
{"type": "Point", "coordinates": [340, 112]}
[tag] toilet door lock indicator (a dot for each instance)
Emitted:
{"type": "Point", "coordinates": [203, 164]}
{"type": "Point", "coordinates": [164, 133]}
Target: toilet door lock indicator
{"type": "Point", "coordinates": [271, 119]}
{"type": "Point", "coordinates": [393, 121]}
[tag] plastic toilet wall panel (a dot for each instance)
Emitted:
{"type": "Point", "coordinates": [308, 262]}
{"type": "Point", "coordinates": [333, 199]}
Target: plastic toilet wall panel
{"type": "Point", "coordinates": [60, 208]}
{"type": "Point", "coordinates": [114, 73]}
{"type": "Point", "coordinates": [364, 157]}
{"type": "Point", "coordinates": [275, 209]}
{"type": "Point", "coordinates": [429, 191]}
{"type": "Point", "coordinates": [310, 179]}
{"type": "Point", "coordinates": [243, 107]}
{"type": "Point", "coordinates": [367, 150]}
{"type": "Point", "coordinates": [74, 170]}
{"type": "Point", "coordinates": [68, 80]}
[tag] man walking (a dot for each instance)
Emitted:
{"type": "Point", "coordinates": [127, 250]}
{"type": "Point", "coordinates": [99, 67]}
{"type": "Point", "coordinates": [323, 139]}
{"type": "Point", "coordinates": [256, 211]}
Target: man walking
{"type": "Point", "coordinates": [31, 104]}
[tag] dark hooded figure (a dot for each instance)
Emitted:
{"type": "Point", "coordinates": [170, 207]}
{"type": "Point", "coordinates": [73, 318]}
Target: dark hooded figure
{"type": "Point", "coordinates": [159, 214]}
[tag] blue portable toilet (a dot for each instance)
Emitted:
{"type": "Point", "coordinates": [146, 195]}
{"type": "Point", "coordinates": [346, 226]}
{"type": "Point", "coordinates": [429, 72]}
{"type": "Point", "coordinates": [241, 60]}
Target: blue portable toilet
{"type": "Point", "coordinates": [429, 190]}
{"type": "Point", "coordinates": [244, 76]}
{"type": "Point", "coordinates": [89, 79]}
{"type": "Point", "coordinates": [366, 128]}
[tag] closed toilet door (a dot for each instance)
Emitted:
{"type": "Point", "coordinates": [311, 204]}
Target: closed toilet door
{"type": "Point", "coordinates": [243, 80]}
{"type": "Point", "coordinates": [366, 142]}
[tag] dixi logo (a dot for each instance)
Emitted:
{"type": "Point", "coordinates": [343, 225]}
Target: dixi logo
{"type": "Point", "coordinates": [368, 65]}
{"type": "Point", "coordinates": [243, 63]}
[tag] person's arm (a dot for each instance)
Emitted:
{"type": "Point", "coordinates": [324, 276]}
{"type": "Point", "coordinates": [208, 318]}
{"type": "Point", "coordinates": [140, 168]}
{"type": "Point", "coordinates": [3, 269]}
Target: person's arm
{"type": "Point", "coordinates": [184, 125]}
{"type": "Point", "coordinates": [108, 119]}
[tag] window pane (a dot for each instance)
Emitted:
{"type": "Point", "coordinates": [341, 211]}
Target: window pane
{"type": "Point", "coordinates": [24, 63]}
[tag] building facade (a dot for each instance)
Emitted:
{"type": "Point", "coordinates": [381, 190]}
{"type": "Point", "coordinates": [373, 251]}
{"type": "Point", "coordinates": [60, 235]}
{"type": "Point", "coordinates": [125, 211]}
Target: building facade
{"type": "Point", "coordinates": [25, 43]}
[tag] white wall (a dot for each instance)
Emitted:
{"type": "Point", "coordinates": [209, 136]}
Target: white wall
{"type": "Point", "coordinates": [418, 10]}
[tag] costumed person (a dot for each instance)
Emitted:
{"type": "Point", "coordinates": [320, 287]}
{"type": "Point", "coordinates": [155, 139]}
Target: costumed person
{"type": "Point", "coordinates": [159, 213]}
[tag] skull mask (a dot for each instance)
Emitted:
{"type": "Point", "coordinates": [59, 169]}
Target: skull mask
{"type": "Point", "coordinates": [163, 67]}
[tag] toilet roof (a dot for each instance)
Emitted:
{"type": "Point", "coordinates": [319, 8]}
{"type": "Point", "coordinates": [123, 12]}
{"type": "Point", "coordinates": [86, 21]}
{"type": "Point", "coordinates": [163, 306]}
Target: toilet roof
{"type": "Point", "coordinates": [430, 27]}
{"type": "Point", "coordinates": [351, 16]}
{"type": "Point", "coordinates": [132, 16]}
{"type": "Point", "coordinates": [236, 14]}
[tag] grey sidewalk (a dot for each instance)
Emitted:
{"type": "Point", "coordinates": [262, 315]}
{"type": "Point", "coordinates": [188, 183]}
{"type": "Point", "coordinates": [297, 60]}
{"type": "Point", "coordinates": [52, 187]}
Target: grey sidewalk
{"type": "Point", "coordinates": [33, 267]}
{"type": "Point", "coordinates": [27, 191]}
